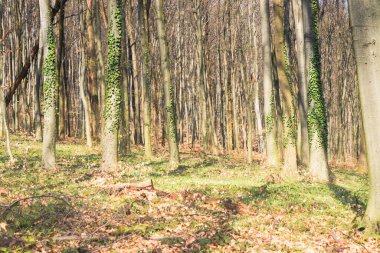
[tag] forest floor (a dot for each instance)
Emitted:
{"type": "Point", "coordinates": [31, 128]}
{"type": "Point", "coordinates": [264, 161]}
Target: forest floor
{"type": "Point", "coordinates": [210, 204]}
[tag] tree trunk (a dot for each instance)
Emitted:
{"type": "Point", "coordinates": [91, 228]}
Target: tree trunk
{"type": "Point", "coordinates": [317, 124]}
{"type": "Point", "coordinates": [170, 110]}
{"type": "Point", "coordinates": [365, 23]}
{"type": "Point", "coordinates": [50, 85]}
{"type": "Point", "coordinates": [144, 21]}
{"type": "Point", "coordinates": [269, 107]}
{"type": "Point", "coordinates": [282, 64]}
{"type": "Point", "coordinates": [92, 84]}
{"type": "Point", "coordinates": [113, 86]}
{"type": "Point", "coordinates": [302, 132]}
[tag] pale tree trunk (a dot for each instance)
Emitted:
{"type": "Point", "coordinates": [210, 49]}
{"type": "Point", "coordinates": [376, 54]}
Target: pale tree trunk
{"type": "Point", "coordinates": [365, 22]}
{"type": "Point", "coordinates": [269, 107]}
{"type": "Point", "coordinates": [85, 100]}
{"type": "Point", "coordinates": [82, 82]}
{"type": "Point", "coordinates": [50, 84]}
{"type": "Point", "coordinates": [289, 131]}
{"type": "Point", "coordinates": [317, 123]}
{"type": "Point", "coordinates": [302, 132]}
{"type": "Point", "coordinates": [171, 121]}
{"type": "Point", "coordinates": [200, 71]}
{"type": "Point", "coordinates": [144, 21]}
{"type": "Point", "coordinates": [113, 86]}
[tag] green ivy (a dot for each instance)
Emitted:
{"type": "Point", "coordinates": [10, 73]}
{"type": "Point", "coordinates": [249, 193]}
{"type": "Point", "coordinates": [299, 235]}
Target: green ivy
{"type": "Point", "coordinates": [172, 115]}
{"type": "Point", "coordinates": [50, 86]}
{"type": "Point", "coordinates": [316, 107]}
{"type": "Point", "coordinates": [270, 118]}
{"type": "Point", "coordinates": [113, 72]}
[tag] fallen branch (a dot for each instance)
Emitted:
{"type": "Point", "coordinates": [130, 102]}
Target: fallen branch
{"type": "Point", "coordinates": [148, 184]}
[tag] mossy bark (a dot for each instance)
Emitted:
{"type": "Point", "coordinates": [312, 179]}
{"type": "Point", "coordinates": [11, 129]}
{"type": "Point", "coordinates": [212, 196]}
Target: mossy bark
{"type": "Point", "coordinates": [365, 21]}
{"type": "Point", "coordinates": [50, 85]}
{"type": "Point", "coordinates": [113, 86]}
{"type": "Point", "coordinates": [316, 114]}
{"type": "Point", "coordinates": [171, 121]}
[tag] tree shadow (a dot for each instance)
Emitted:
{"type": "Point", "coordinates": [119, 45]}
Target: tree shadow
{"type": "Point", "coordinates": [347, 197]}
{"type": "Point", "coordinates": [184, 170]}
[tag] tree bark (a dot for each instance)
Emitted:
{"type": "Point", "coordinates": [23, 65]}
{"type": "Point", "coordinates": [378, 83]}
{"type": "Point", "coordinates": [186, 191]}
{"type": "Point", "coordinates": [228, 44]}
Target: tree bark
{"type": "Point", "coordinates": [317, 123]}
{"type": "Point", "coordinates": [302, 132]}
{"type": "Point", "coordinates": [282, 64]}
{"type": "Point", "coordinates": [365, 23]}
{"type": "Point", "coordinates": [269, 109]}
{"type": "Point", "coordinates": [144, 21]}
{"type": "Point", "coordinates": [170, 110]}
{"type": "Point", "coordinates": [50, 84]}
{"type": "Point", "coordinates": [113, 86]}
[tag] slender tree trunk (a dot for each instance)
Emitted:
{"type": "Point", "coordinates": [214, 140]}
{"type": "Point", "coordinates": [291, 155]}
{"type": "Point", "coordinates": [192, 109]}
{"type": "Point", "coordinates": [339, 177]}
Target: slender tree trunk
{"type": "Point", "coordinates": [144, 20]}
{"type": "Point", "coordinates": [113, 86]}
{"type": "Point", "coordinates": [92, 84]}
{"type": "Point", "coordinates": [82, 88]}
{"type": "Point", "coordinates": [269, 107]}
{"type": "Point", "coordinates": [50, 85]}
{"type": "Point", "coordinates": [135, 73]}
{"type": "Point", "coordinates": [171, 121]}
{"type": "Point", "coordinates": [365, 20]}
{"type": "Point", "coordinates": [61, 76]}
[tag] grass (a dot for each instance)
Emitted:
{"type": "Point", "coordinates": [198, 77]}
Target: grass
{"type": "Point", "coordinates": [209, 204]}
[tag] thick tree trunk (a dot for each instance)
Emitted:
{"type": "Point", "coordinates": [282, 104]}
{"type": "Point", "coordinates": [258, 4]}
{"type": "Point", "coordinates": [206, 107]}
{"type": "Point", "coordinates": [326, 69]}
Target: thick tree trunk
{"type": "Point", "coordinates": [269, 109]}
{"type": "Point", "coordinates": [317, 123]}
{"type": "Point", "coordinates": [365, 22]}
{"type": "Point", "coordinates": [302, 132]}
{"type": "Point", "coordinates": [170, 110]}
{"type": "Point", "coordinates": [113, 86]}
{"type": "Point", "coordinates": [289, 131]}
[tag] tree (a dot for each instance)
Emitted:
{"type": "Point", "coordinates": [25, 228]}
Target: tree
{"type": "Point", "coordinates": [302, 133]}
{"type": "Point", "coordinates": [92, 81]}
{"type": "Point", "coordinates": [113, 86]}
{"type": "Point", "coordinates": [144, 21]}
{"type": "Point", "coordinates": [170, 110]}
{"type": "Point", "coordinates": [50, 84]}
{"type": "Point", "coordinates": [365, 18]}
{"type": "Point", "coordinates": [269, 107]}
{"type": "Point", "coordinates": [286, 89]}
{"type": "Point", "coordinates": [316, 114]}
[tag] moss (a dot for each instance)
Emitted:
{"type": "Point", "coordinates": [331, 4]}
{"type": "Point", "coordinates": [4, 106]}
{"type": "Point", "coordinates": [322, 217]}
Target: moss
{"type": "Point", "coordinates": [316, 108]}
{"type": "Point", "coordinates": [50, 86]}
{"type": "Point", "coordinates": [113, 72]}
